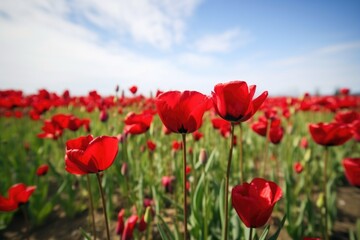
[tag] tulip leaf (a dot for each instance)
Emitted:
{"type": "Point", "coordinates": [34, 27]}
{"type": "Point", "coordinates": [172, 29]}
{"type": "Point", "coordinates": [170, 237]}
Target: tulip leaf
{"type": "Point", "coordinates": [164, 230]}
{"type": "Point", "coordinates": [221, 202]}
{"type": "Point", "coordinates": [265, 233]}
{"type": "Point", "coordinates": [276, 234]}
{"type": "Point", "coordinates": [85, 234]}
{"type": "Point", "coordinates": [210, 161]}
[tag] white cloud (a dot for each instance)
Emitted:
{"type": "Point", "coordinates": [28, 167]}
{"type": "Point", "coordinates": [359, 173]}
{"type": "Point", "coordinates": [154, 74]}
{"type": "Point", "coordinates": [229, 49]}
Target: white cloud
{"type": "Point", "coordinates": [222, 42]}
{"type": "Point", "coordinates": [193, 60]}
{"type": "Point", "coordinates": [160, 23]}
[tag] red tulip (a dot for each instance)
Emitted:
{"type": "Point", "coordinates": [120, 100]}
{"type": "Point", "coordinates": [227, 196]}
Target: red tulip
{"type": "Point", "coordinates": [90, 155]}
{"type": "Point", "coordinates": [352, 170]}
{"type": "Point", "coordinates": [151, 145]}
{"type": "Point", "coordinates": [304, 143]}
{"type": "Point", "coordinates": [330, 134]}
{"type": "Point", "coordinates": [129, 228]}
{"type": "Point", "coordinates": [345, 91]}
{"type": "Point", "coordinates": [276, 130]}
{"type": "Point", "coordinates": [18, 194]}
{"type": "Point", "coordinates": [168, 183]}
{"type": "Point", "coordinates": [120, 224]}
{"type": "Point", "coordinates": [50, 130]}
{"type": "Point", "coordinates": [104, 116]}
{"type": "Point", "coordinates": [254, 202]}
{"type": "Point", "coordinates": [197, 135]}
{"type": "Point", "coordinates": [347, 117]}
{"type": "Point", "coordinates": [298, 167]}
{"type": "Point", "coordinates": [142, 224]}
{"type": "Point", "coordinates": [233, 101]}
{"type": "Point", "coordinates": [355, 129]}
{"type": "Point", "coordinates": [133, 89]}
{"type": "Point", "coordinates": [176, 145]}
{"type": "Point", "coordinates": [42, 170]}
{"type": "Point", "coordinates": [137, 123]}
{"type": "Point", "coordinates": [182, 112]}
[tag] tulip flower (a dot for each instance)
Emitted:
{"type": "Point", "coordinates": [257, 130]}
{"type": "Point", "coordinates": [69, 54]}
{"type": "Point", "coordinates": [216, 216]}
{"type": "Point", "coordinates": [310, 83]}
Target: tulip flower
{"type": "Point", "coordinates": [182, 112]}
{"type": "Point", "coordinates": [254, 201]}
{"type": "Point", "coordinates": [168, 183]}
{"type": "Point", "coordinates": [327, 135]}
{"type": "Point", "coordinates": [17, 194]}
{"type": "Point", "coordinates": [90, 155]}
{"type": "Point", "coordinates": [276, 131]}
{"type": "Point", "coordinates": [304, 143]}
{"type": "Point", "coordinates": [352, 170]}
{"type": "Point", "coordinates": [330, 134]}
{"type": "Point", "coordinates": [298, 167]}
{"type": "Point", "coordinates": [120, 223]}
{"type": "Point", "coordinates": [133, 89]}
{"type": "Point", "coordinates": [151, 145]}
{"type": "Point", "coordinates": [42, 170]}
{"type": "Point", "coordinates": [104, 116]}
{"type": "Point", "coordinates": [129, 228]}
{"type": "Point", "coordinates": [137, 123]}
{"type": "Point", "coordinates": [233, 101]}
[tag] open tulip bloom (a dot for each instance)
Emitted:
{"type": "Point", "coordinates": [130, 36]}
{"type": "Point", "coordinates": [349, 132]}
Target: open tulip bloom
{"type": "Point", "coordinates": [182, 112]}
{"type": "Point", "coordinates": [254, 201]}
{"type": "Point", "coordinates": [330, 134]}
{"type": "Point", "coordinates": [91, 155]}
{"type": "Point", "coordinates": [327, 135]}
{"type": "Point", "coordinates": [18, 194]}
{"type": "Point", "coordinates": [352, 170]}
{"type": "Point", "coordinates": [234, 102]}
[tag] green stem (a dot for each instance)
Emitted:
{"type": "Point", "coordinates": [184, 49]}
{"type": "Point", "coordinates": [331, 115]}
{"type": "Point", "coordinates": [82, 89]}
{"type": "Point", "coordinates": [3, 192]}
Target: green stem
{"type": "Point", "coordinates": [104, 206]}
{"type": "Point", "coordinates": [326, 155]}
{"type": "Point", "coordinates": [184, 185]}
{"type": "Point", "coordinates": [225, 230]}
{"type": "Point", "coordinates": [241, 155]}
{"type": "Point", "coordinates": [91, 206]}
{"type": "Point", "coordinates": [27, 224]}
{"type": "Point", "coordinates": [250, 234]}
{"type": "Point", "coordinates": [205, 205]}
{"type": "Point", "coordinates": [267, 140]}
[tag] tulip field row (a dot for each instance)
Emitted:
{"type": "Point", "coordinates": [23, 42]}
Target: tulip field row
{"type": "Point", "coordinates": [231, 164]}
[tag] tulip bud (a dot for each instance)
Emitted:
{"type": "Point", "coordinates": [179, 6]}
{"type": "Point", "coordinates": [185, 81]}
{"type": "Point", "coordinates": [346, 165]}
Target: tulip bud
{"type": "Point", "coordinates": [103, 116]}
{"type": "Point", "coordinates": [203, 157]}
{"type": "Point", "coordinates": [124, 169]}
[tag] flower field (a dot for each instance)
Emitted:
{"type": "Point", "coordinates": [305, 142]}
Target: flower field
{"type": "Point", "coordinates": [231, 164]}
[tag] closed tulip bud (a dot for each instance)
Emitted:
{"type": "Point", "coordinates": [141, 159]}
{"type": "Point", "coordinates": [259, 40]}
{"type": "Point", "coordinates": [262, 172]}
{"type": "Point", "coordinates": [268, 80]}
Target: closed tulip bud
{"type": "Point", "coordinates": [104, 116]}
{"type": "Point", "coordinates": [203, 157]}
{"type": "Point", "coordinates": [124, 169]}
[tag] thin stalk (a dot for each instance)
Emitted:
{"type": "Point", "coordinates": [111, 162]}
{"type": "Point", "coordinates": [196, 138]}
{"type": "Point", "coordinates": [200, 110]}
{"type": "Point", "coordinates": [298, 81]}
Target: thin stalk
{"type": "Point", "coordinates": [225, 230]}
{"type": "Point", "coordinates": [250, 234]}
{"type": "Point", "coordinates": [267, 140]}
{"type": "Point", "coordinates": [205, 205]}
{"type": "Point", "coordinates": [91, 206]}
{"type": "Point", "coordinates": [184, 185]}
{"type": "Point", "coordinates": [241, 155]}
{"type": "Point", "coordinates": [27, 224]}
{"type": "Point", "coordinates": [104, 206]}
{"type": "Point", "coordinates": [326, 155]}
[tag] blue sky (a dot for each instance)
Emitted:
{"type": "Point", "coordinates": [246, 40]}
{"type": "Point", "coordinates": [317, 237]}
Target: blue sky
{"type": "Point", "coordinates": [285, 47]}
